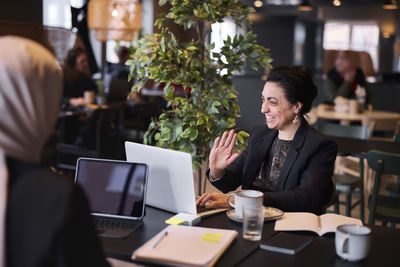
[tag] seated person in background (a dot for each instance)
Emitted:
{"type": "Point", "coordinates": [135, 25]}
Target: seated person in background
{"type": "Point", "coordinates": [76, 77]}
{"type": "Point", "coordinates": [344, 79]}
{"type": "Point", "coordinates": [44, 217]}
{"type": "Point", "coordinates": [286, 159]}
{"type": "Point", "coordinates": [120, 71]}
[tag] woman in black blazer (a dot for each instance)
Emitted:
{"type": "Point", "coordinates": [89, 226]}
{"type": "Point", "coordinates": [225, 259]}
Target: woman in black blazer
{"type": "Point", "coordinates": [286, 159]}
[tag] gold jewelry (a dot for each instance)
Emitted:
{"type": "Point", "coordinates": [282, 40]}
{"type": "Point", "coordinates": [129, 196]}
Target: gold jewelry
{"type": "Point", "coordinates": [296, 119]}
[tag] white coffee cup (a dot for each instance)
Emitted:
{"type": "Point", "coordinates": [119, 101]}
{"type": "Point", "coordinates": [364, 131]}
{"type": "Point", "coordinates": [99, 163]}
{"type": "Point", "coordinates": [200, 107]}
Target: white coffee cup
{"type": "Point", "coordinates": [244, 198]}
{"type": "Point", "coordinates": [89, 97]}
{"type": "Point", "coordinates": [352, 241]}
{"type": "Point", "coordinates": [353, 106]}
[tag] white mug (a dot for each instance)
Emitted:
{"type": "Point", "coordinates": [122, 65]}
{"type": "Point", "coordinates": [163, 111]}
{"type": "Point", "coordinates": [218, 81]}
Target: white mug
{"type": "Point", "coordinates": [352, 241]}
{"type": "Point", "coordinates": [89, 97]}
{"type": "Point", "coordinates": [244, 198]}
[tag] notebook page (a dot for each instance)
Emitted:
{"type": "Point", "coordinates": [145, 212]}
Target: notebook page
{"type": "Point", "coordinates": [185, 245]}
{"type": "Point", "coordinates": [297, 221]}
{"type": "Point", "coordinates": [331, 221]}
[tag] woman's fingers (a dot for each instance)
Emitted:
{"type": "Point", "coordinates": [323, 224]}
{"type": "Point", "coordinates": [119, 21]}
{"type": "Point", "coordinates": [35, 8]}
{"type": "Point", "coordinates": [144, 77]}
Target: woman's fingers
{"type": "Point", "coordinates": [216, 142]}
{"type": "Point", "coordinates": [204, 201]}
{"type": "Point", "coordinates": [219, 201]}
{"type": "Point", "coordinates": [223, 139]}
{"type": "Point", "coordinates": [232, 141]}
{"type": "Point", "coordinates": [229, 138]}
{"type": "Point", "coordinates": [201, 199]}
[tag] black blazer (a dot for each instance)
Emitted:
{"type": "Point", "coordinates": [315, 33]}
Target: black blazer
{"type": "Point", "coordinates": [48, 221]}
{"type": "Point", "coordinates": [305, 181]}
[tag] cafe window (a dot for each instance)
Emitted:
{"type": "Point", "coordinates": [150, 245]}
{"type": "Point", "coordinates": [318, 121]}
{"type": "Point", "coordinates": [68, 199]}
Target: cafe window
{"type": "Point", "coordinates": [353, 36]}
{"type": "Point", "coordinates": [220, 32]}
{"type": "Point", "coordinates": [57, 13]}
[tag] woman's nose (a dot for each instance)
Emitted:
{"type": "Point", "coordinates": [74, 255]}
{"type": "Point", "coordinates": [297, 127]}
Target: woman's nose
{"type": "Point", "coordinates": [264, 108]}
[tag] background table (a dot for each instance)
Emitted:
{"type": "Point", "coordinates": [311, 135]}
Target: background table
{"type": "Point", "coordinates": [345, 118]}
{"type": "Point", "coordinates": [321, 252]}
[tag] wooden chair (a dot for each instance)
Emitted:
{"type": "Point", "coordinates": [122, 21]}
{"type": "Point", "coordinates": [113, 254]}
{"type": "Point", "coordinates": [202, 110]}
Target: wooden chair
{"type": "Point", "coordinates": [390, 126]}
{"type": "Point", "coordinates": [349, 180]}
{"type": "Point", "coordinates": [382, 207]}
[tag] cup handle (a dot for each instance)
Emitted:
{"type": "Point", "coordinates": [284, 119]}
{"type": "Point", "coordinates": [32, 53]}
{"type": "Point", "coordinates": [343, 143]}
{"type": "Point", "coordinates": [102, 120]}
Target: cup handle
{"type": "Point", "coordinates": [344, 247]}
{"type": "Point", "coordinates": [229, 200]}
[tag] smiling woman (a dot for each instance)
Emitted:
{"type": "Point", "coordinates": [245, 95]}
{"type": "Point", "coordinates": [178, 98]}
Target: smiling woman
{"type": "Point", "coordinates": [286, 159]}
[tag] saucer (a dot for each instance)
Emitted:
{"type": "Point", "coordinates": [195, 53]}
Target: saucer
{"type": "Point", "coordinates": [269, 214]}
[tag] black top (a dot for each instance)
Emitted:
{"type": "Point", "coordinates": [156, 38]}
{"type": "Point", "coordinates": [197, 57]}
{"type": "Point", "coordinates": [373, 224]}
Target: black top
{"type": "Point", "coordinates": [272, 165]}
{"type": "Point", "coordinates": [335, 77]}
{"type": "Point", "coordinates": [337, 86]}
{"type": "Point", "coordinates": [118, 71]}
{"type": "Point", "coordinates": [305, 180]}
{"type": "Point", "coordinates": [79, 86]}
{"type": "Point", "coordinates": [48, 221]}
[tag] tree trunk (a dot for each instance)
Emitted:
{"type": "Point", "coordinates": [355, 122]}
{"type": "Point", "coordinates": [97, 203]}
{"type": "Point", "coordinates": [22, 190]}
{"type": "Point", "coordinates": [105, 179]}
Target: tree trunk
{"type": "Point", "coordinates": [199, 175]}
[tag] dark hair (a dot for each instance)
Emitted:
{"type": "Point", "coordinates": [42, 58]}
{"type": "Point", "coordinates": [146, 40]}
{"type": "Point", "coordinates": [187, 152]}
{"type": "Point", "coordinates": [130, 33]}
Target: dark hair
{"type": "Point", "coordinates": [297, 83]}
{"type": "Point", "coordinates": [122, 52]}
{"type": "Point", "coordinates": [73, 54]}
{"type": "Point", "coordinates": [70, 74]}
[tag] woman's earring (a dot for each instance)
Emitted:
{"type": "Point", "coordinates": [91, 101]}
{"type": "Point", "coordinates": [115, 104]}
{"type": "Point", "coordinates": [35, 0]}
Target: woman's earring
{"type": "Point", "coordinates": [296, 119]}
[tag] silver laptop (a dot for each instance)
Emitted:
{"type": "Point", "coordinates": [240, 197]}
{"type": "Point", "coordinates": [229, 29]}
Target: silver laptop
{"type": "Point", "coordinates": [116, 191]}
{"type": "Point", "coordinates": [170, 183]}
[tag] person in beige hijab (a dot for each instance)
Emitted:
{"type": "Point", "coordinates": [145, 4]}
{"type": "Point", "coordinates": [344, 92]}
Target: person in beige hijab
{"type": "Point", "coordinates": [44, 218]}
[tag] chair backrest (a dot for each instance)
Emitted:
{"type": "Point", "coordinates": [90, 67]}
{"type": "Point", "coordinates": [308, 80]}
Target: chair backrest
{"type": "Point", "coordinates": [118, 91]}
{"type": "Point", "coordinates": [352, 131]}
{"type": "Point", "coordinates": [396, 137]}
{"type": "Point", "coordinates": [382, 163]}
{"type": "Point", "coordinates": [362, 60]}
{"type": "Point", "coordinates": [366, 63]}
{"type": "Point", "coordinates": [381, 124]}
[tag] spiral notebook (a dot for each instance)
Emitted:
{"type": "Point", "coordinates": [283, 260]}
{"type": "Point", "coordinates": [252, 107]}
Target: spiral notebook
{"type": "Point", "coordinates": [186, 245]}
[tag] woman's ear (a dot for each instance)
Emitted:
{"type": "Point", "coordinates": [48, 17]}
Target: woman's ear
{"type": "Point", "coordinates": [298, 105]}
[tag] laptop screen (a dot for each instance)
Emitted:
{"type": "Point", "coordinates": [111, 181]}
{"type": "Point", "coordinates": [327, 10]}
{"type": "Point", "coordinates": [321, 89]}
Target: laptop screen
{"type": "Point", "coordinates": [113, 188]}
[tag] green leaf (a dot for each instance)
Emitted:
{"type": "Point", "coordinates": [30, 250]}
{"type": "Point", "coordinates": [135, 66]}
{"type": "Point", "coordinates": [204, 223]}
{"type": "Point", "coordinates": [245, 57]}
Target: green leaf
{"type": "Point", "coordinates": [190, 133]}
{"type": "Point", "coordinates": [191, 48]}
{"type": "Point", "coordinates": [162, 2]}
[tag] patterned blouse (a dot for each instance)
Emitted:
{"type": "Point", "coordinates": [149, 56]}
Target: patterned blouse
{"type": "Point", "coordinates": [271, 166]}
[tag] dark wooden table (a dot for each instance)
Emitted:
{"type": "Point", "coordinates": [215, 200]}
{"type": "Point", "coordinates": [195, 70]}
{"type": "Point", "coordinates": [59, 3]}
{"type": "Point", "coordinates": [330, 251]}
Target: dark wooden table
{"type": "Point", "coordinates": [385, 244]}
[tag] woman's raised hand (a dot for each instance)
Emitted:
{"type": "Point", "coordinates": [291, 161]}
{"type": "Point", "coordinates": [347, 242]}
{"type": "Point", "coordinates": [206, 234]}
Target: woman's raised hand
{"type": "Point", "coordinates": [221, 154]}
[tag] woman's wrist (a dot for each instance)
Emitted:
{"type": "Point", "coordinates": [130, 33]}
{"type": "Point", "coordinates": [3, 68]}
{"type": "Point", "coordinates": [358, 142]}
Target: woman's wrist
{"type": "Point", "coordinates": [215, 175]}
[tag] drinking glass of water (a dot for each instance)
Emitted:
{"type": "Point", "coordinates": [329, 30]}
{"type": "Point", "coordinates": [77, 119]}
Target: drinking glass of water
{"type": "Point", "coordinates": [253, 221]}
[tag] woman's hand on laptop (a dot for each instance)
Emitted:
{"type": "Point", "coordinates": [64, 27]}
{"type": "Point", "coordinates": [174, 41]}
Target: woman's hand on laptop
{"type": "Point", "coordinates": [215, 200]}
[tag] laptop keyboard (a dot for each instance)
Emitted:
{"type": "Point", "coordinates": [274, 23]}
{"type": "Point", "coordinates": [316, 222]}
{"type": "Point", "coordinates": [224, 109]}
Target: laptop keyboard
{"type": "Point", "coordinates": [109, 227]}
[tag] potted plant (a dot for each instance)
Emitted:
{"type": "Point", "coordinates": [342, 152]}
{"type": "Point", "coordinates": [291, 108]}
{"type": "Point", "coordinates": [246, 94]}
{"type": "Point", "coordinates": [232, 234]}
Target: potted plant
{"type": "Point", "coordinates": [202, 101]}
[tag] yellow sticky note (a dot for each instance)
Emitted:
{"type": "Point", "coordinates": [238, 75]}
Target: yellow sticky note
{"type": "Point", "coordinates": [211, 237]}
{"type": "Point", "coordinates": [174, 221]}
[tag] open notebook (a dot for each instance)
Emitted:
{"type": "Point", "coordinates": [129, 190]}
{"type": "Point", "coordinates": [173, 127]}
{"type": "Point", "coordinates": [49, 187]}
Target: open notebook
{"type": "Point", "coordinates": [186, 245]}
{"type": "Point", "coordinates": [305, 221]}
